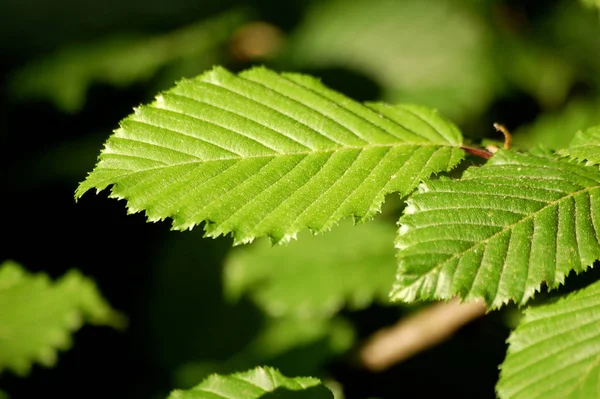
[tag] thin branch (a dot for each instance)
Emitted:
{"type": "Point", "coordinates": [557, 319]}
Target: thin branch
{"type": "Point", "coordinates": [417, 333]}
{"type": "Point", "coordinates": [507, 136]}
{"type": "Point", "coordinates": [477, 152]}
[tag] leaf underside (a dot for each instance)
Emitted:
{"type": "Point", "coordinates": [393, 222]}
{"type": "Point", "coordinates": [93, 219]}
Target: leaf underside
{"type": "Point", "coordinates": [254, 384]}
{"type": "Point", "coordinates": [267, 154]}
{"type": "Point", "coordinates": [37, 316]}
{"type": "Point", "coordinates": [555, 352]}
{"type": "Point", "coordinates": [585, 146]}
{"type": "Point", "coordinates": [500, 231]}
{"type": "Point", "coordinates": [352, 265]}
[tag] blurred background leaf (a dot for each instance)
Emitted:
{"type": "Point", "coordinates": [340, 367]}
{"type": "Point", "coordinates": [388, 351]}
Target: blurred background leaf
{"type": "Point", "coordinates": [555, 130]}
{"type": "Point", "coordinates": [37, 316]}
{"type": "Point", "coordinates": [432, 52]}
{"type": "Point", "coordinates": [316, 275]}
{"type": "Point", "coordinates": [295, 346]}
{"type": "Point", "coordinates": [591, 3]}
{"type": "Point", "coordinates": [529, 65]}
{"type": "Point", "coordinates": [65, 77]}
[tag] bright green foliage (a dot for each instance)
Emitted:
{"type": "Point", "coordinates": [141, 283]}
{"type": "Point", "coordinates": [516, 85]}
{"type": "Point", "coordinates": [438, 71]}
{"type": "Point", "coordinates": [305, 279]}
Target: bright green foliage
{"type": "Point", "coordinates": [65, 77]}
{"type": "Point", "coordinates": [268, 154]}
{"type": "Point", "coordinates": [317, 275]}
{"type": "Point", "coordinates": [296, 346]}
{"type": "Point", "coordinates": [555, 352]}
{"type": "Point", "coordinates": [432, 52]}
{"type": "Point", "coordinates": [585, 146]}
{"type": "Point", "coordinates": [37, 317]}
{"type": "Point", "coordinates": [500, 231]}
{"type": "Point", "coordinates": [261, 382]}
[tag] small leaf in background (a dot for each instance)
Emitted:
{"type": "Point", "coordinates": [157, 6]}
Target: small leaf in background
{"type": "Point", "coordinates": [267, 154]}
{"type": "Point", "coordinates": [261, 382]}
{"type": "Point", "coordinates": [499, 232]}
{"type": "Point", "coordinates": [585, 146]}
{"type": "Point", "coordinates": [431, 52]}
{"type": "Point", "coordinates": [65, 77]}
{"type": "Point", "coordinates": [556, 130]}
{"type": "Point", "coordinates": [38, 316]}
{"type": "Point", "coordinates": [536, 69]}
{"type": "Point", "coordinates": [555, 352]}
{"type": "Point", "coordinates": [574, 34]}
{"type": "Point", "coordinates": [295, 346]}
{"type": "Point", "coordinates": [350, 266]}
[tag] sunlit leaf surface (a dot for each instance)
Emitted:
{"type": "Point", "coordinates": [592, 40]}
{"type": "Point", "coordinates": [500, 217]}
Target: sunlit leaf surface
{"type": "Point", "coordinates": [500, 231]}
{"type": "Point", "coordinates": [268, 154]}
{"type": "Point", "coordinates": [555, 352]}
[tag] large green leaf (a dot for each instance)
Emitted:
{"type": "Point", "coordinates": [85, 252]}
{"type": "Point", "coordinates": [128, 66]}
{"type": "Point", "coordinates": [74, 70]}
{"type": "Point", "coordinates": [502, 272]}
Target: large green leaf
{"type": "Point", "coordinates": [261, 382]}
{"type": "Point", "coordinates": [500, 231]}
{"type": "Point", "coordinates": [267, 154]}
{"type": "Point", "coordinates": [37, 317]}
{"type": "Point", "coordinates": [585, 146]}
{"type": "Point", "coordinates": [555, 352]}
{"type": "Point", "coordinates": [352, 265]}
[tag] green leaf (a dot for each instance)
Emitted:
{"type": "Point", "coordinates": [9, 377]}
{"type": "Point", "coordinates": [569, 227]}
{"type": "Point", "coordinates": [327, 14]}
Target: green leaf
{"type": "Point", "coordinates": [556, 130]}
{"type": "Point", "coordinates": [572, 31]}
{"type": "Point", "coordinates": [296, 346]}
{"type": "Point", "coordinates": [261, 382]}
{"type": "Point", "coordinates": [268, 154]}
{"type": "Point", "coordinates": [585, 146]}
{"type": "Point", "coordinates": [317, 275]}
{"type": "Point", "coordinates": [532, 65]}
{"type": "Point", "coordinates": [555, 352]}
{"type": "Point", "coordinates": [37, 317]}
{"type": "Point", "coordinates": [500, 231]}
{"type": "Point", "coordinates": [64, 78]}
{"type": "Point", "coordinates": [431, 52]}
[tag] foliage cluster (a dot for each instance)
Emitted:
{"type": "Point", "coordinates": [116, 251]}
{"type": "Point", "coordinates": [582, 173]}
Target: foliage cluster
{"type": "Point", "coordinates": [294, 174]}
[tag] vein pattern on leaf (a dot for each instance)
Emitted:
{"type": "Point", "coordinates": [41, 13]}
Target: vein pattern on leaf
{"type": "Point", "coordinates": [500, 231]}
{"type": "Point", "coordinates": [37, 317]}
{"type": "Point", "coordinates": [585, 146]}
{"type": "Point", "coordinates": [267, 154]}
{"type": "Point", "coordinates": [253, 384]}
{"type": "Point", "coordinates": [555, 352]}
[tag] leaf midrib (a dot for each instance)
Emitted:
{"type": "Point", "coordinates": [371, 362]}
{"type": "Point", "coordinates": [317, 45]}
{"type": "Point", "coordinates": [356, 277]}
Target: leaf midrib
{"type": "Point", "coordinates": [276, 155]}
{"type": "Point", "coordinates": [504, 230]}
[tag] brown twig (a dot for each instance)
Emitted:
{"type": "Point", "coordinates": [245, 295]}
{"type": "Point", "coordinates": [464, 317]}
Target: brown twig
{"type": "Point", "coordinates": [507, 136]}
{"type": "Point", "coordinates": [416, 333]}
{"type": "Point", "coordinates": [477, 152]}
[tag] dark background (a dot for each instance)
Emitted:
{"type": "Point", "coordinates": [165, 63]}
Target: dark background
{"type": "Point", "coordinates": [169, 283]}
